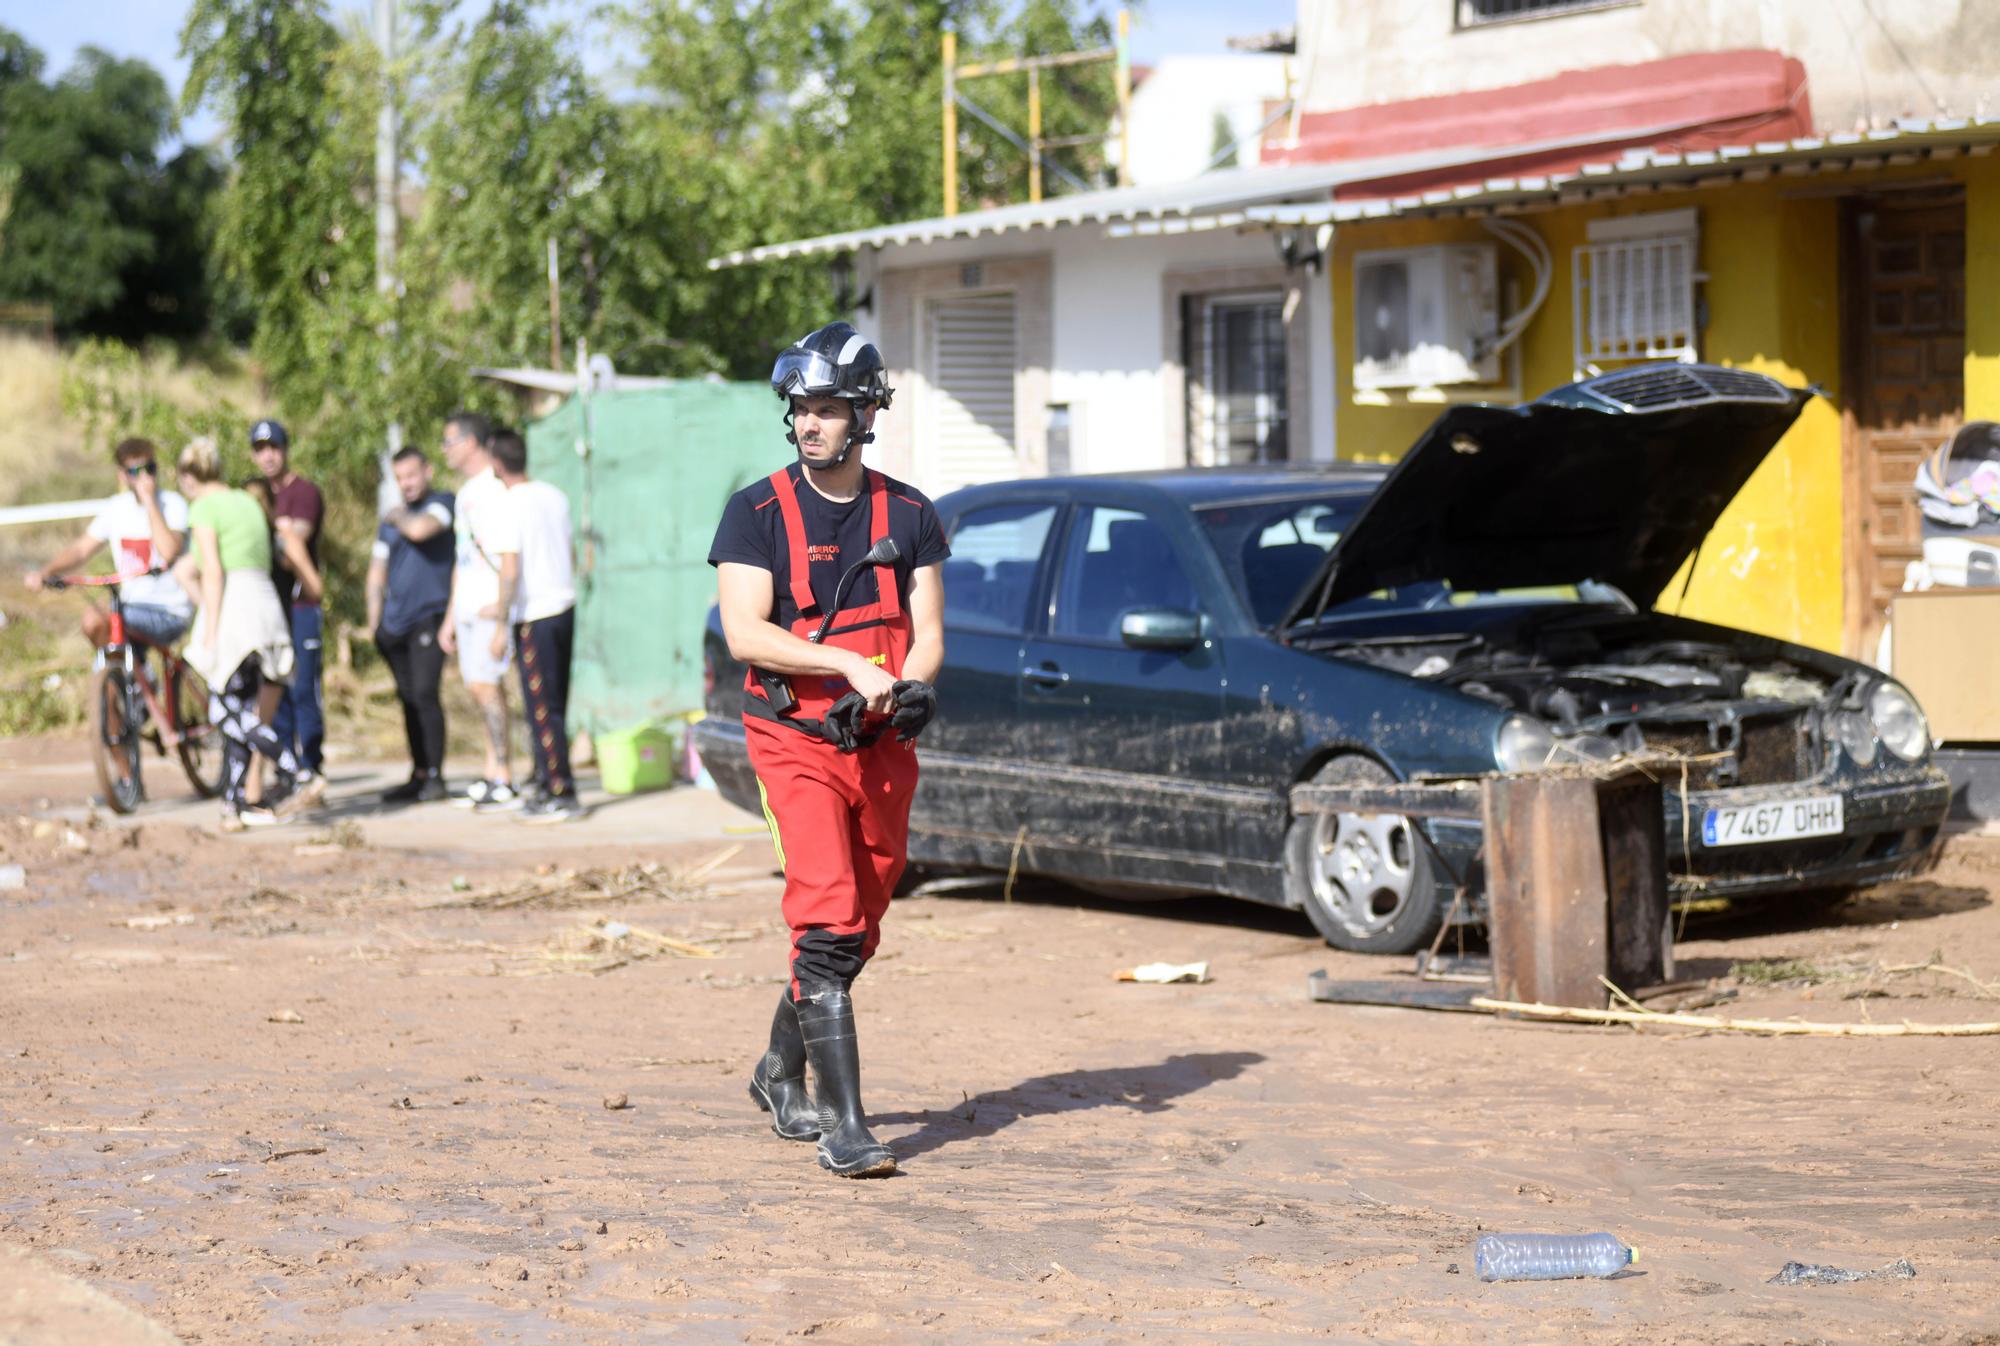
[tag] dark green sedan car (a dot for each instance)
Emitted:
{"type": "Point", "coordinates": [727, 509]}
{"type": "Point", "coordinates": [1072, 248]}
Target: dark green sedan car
{"type": "Point", "coordinates": [1139, 667]}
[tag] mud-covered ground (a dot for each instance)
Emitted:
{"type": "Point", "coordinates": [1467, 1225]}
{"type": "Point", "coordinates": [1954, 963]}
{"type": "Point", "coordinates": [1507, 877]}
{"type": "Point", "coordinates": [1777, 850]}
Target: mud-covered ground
{"type": "Point", "coordinates": [398, 1079]}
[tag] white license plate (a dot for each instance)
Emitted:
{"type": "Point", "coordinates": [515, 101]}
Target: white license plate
{"type": "Point", "coordinates": [1780, 820]}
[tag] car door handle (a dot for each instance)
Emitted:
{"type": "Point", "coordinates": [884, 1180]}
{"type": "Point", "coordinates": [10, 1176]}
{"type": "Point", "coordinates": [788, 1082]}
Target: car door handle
{"type": "Point", "coordinates": [1047, 677]}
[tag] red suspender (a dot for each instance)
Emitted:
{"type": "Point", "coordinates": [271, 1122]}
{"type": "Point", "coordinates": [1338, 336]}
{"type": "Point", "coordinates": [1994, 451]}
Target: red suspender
{"type": "Point", "coordinates": [795, 539]}
{"type": "Point", "coordinates": [878, 528]}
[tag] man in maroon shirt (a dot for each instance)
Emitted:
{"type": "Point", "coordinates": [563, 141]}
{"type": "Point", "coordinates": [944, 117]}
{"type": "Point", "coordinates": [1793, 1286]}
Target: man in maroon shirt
{"type": "Point", "coordinates": [298, 508]}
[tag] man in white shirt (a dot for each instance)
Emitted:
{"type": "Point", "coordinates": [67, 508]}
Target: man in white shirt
{"type": "Point", "coordinates": [544, 617]}
{"type": "Point", "coordinates": [146, 529]}
{"type": "Point", "coordinates": [486, 569]}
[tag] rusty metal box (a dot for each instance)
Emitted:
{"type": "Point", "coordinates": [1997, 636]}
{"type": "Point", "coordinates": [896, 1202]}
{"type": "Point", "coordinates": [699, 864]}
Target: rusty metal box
{"type": "Point", "coordinates": [1576, 886]}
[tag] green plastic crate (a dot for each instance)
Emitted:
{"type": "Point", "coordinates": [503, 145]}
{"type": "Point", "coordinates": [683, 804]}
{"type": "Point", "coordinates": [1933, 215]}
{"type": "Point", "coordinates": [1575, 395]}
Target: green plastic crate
{"type": "Point", "coordinates": [639, 758]}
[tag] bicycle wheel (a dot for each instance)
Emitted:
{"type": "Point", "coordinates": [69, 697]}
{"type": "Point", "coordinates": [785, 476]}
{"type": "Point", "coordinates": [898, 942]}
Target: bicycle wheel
{"type": "Point", "coordinates": [115, 746]}
{"type": "Point", "coordinates": [200, 748]}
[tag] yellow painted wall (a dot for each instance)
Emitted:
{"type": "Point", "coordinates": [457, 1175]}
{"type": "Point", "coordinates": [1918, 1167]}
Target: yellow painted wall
{"type": "Point", "coordinates": [1982, 288]}
{"type": "Point", "coordinates": [1772, 254]}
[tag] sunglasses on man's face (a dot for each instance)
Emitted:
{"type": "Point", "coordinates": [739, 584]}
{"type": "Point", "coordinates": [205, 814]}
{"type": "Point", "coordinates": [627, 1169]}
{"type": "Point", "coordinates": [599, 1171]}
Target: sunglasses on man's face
{"type": "Point", "coordinates": [141, 469]}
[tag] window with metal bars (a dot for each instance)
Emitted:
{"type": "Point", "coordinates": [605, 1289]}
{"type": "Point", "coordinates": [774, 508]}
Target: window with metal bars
{"type": "Point", "coordinates": [1236, 405]}
{"type": "Point", "coordinates": [1479, 13]}
{"type": "Point", "coordinates": [1633, 289]}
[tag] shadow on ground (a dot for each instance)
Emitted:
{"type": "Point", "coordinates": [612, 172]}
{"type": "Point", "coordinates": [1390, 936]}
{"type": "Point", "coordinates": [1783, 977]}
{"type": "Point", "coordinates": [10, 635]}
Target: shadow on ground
{"type": "Point", "coordinates": [1138, 1088]}
{"type": "Point", "coordinates": [1904, 900]}
{"type": "Point", "coordinates": [1198, 909]}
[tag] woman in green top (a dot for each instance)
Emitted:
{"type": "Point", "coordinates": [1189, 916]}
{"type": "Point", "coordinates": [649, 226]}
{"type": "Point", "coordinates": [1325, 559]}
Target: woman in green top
{"type": "Point", "coordinates": [242, 642]}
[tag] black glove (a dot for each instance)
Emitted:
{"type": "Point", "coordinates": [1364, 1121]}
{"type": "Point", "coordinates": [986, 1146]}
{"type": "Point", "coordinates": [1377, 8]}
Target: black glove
{"type": "Point", "coordinates": [843, 722]}
{"type": "Point", "coordinates": [916, 704]}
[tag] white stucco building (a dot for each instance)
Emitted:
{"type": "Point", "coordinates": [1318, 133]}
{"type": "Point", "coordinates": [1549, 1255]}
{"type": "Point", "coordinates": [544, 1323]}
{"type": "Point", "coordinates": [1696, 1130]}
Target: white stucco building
{"type": "Point", "coordinates": [1096, 332]}
{"type": "Point", "coordinates": [1186, 104]}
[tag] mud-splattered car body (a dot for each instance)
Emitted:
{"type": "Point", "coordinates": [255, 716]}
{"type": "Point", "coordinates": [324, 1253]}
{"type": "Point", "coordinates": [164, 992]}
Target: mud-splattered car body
{"type": "Point", "coordinates": [1140, 667]}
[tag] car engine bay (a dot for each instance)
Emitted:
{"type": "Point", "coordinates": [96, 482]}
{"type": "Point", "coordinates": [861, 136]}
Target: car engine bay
{"type": "Point", "coordinates": [1615, 686]}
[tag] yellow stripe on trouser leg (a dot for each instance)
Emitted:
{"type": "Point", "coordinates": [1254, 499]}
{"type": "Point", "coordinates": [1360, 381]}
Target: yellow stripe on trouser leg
{"type": "Point", "coordinates": [771, 821]}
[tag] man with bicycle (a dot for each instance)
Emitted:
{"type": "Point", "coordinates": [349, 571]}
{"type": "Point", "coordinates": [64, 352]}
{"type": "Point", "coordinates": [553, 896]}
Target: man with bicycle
{"type": "Point", "coordinates": [838, 689]}
{"type": "Point", "coordinates": [146, 529]}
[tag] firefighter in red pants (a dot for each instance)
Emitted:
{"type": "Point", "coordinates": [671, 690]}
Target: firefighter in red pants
{"type": "Point", "coordinates": [843, 634]}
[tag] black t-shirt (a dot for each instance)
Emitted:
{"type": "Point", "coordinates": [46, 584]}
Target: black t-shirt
{"type": "Point", "coordinates": [752, 532]}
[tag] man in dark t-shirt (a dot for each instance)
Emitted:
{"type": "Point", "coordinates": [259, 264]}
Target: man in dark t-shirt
{"type": "Point", "coordinates": [409, 588]}
{"type": "Point", "coordinates": [297, 507]}
{"type": "Point", "coordinates": [752, 533]}
{"type": "Point", "coordinates": [843, 639]}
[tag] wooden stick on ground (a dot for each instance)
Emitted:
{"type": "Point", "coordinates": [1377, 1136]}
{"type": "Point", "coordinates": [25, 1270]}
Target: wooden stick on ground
{"type": "Point", "coordinates": [679, 946]}
{"type": "Point", "coordinates": [1775, 1027]}
{"type": "Point", "coordinates": [711, 864]}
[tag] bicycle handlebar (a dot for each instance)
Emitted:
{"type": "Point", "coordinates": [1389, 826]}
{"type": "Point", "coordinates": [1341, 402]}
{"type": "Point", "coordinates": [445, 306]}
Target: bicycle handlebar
{"type": "Point", "coordinates": [94, 581]}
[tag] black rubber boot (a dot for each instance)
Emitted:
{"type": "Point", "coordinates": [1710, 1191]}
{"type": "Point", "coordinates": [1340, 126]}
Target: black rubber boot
{"type": "Point", "coordinates": [778, 1084]}
{"type": "Point", "coordinates": [826, 1020]}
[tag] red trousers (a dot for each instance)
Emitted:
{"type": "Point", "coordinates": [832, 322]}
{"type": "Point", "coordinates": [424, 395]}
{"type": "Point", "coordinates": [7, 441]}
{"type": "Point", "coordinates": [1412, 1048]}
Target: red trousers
{"type": "Point", "coordinates": [841, 824]}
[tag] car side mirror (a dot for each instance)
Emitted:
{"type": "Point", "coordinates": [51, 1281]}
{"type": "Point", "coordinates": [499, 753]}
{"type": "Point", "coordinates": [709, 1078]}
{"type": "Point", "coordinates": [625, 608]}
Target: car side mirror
{"type": "Point", "coordinates": [1160, 629]}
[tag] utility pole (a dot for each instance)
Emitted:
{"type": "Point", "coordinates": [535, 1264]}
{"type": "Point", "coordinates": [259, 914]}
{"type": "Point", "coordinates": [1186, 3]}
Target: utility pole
{"type": "Point", "coordinates": [555, 308]}
{"type": "Point", "coordinates": [388, 126]}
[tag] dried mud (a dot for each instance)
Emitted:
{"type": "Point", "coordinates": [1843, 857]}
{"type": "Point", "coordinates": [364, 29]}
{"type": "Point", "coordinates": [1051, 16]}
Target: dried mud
{"type": "Point", "coordinates": [260, 1095]}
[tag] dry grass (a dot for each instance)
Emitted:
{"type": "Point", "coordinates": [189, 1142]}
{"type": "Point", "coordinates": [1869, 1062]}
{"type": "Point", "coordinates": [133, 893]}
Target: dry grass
{"type": "Point", "coordinates": [40, 439]}
{"type": "Point", "coordinates": [35, 437]}
{"type": "Point", "coordinates": [48, 450]}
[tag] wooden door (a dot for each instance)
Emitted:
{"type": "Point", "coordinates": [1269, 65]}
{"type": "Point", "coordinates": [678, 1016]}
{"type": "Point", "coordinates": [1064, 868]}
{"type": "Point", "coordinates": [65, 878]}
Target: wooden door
{"type": "Point", "coordinates": [1903, 361]}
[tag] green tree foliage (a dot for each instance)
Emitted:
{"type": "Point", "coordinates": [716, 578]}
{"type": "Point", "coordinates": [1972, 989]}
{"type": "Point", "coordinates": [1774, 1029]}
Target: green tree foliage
{"type": "Point", "coordinates": [793, 118]}
{"type": "Point", "coordinates": [517, 149]}
{"type": "Point", "coordinates": [96, 226]}
{"type": "Point", "coordinates": [294, 229]}
{"type": "Point", "coordinates": [111, 389]}
{"type": "Point", "coordinates": [293, 225]}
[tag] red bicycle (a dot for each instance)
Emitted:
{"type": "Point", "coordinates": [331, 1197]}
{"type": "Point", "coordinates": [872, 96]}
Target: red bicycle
{"type": "Point", "coordinates": [131, 704]}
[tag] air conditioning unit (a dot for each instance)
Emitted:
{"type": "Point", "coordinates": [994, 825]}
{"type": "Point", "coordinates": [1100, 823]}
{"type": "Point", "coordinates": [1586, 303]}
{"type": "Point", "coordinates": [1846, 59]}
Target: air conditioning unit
{"type": "Point", "coordinates": [1424, 317]}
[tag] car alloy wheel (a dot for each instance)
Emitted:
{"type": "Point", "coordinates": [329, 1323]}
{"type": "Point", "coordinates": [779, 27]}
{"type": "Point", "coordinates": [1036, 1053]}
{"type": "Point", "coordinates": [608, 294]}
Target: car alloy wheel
{"type": "Point", "coordinates": [1364, 869]}
{"type": "Point", "coordinates": [1363, 879]}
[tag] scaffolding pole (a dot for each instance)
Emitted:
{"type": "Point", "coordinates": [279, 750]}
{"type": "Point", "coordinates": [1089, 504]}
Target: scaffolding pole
{"type": "Point", "coordinates": [950, 122]}
{"type": "Point", "coordinates": [1036, 146]}
{"type": "Point", "coordinates": [1124, 98]}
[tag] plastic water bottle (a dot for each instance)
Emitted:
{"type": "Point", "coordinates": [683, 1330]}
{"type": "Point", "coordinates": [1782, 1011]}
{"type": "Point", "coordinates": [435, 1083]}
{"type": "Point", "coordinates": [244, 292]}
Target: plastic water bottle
{"type": "Point", "coordinates": [1550, 1257]}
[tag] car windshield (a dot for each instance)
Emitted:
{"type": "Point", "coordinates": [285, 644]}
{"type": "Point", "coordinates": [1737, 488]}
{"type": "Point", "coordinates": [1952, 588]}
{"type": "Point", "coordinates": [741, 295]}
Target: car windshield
{"type": "Point", "coordinates": [1431, 595]}
{"type": "Point", "coordinates": [1272, 548]}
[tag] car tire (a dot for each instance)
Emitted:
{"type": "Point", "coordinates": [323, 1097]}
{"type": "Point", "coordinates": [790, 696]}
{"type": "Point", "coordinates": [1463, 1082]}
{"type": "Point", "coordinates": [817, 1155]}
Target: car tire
{"type": "Point", "coordinates": [1364, 880]}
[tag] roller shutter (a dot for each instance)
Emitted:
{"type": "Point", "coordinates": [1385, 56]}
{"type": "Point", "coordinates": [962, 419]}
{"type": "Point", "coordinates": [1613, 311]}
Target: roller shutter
{"type": "Point", "coordinates": [971, 419]}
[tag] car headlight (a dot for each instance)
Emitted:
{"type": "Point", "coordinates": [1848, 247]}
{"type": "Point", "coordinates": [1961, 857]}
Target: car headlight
{"type": "Point", "coordinates": [1523, 744]}
{"type": "Point", "coordinates": [1856, 735]}
{"type": "Point", "coordinates": [1585, 748]}
{"type": "Point", "coordinates": [1899, 722]}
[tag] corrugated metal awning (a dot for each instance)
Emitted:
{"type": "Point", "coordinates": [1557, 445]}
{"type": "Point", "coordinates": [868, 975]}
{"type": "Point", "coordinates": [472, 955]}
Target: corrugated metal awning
{"type": "Point", "coordinates": [1640, 172]}
{"type": "Point", "coordinates": [1212, 194]}
{"type": "Point", "coordinates": [563, 380]}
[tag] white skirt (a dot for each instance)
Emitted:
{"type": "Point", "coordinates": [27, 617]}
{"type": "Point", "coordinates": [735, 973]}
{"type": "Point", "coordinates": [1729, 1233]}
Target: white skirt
{"type": "Point", "coordinates": [252, 625]}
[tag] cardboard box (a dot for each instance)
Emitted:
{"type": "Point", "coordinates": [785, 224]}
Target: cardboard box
{"type": "Point", "coordinates": [1945, 647]}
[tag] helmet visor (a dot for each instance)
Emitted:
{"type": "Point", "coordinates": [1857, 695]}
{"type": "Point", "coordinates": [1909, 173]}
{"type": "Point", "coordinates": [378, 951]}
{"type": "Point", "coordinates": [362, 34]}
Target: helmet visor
{"type": "Point", "coordinates": [805, 372]}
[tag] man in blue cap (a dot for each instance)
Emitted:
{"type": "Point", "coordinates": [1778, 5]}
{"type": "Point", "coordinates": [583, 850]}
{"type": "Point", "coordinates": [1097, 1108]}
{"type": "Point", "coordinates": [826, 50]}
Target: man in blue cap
{"type": "Point", "coordinates": [298, 508]}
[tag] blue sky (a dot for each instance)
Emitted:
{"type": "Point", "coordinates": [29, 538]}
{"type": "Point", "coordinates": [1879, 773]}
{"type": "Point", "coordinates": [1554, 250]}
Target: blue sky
{"type": "Point", "coordinates": [151, 29]}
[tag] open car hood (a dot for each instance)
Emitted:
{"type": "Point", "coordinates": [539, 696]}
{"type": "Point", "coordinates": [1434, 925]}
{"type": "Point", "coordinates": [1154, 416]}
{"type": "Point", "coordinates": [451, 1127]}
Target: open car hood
{"type": "Point", "coordinates": [1617, 478]}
